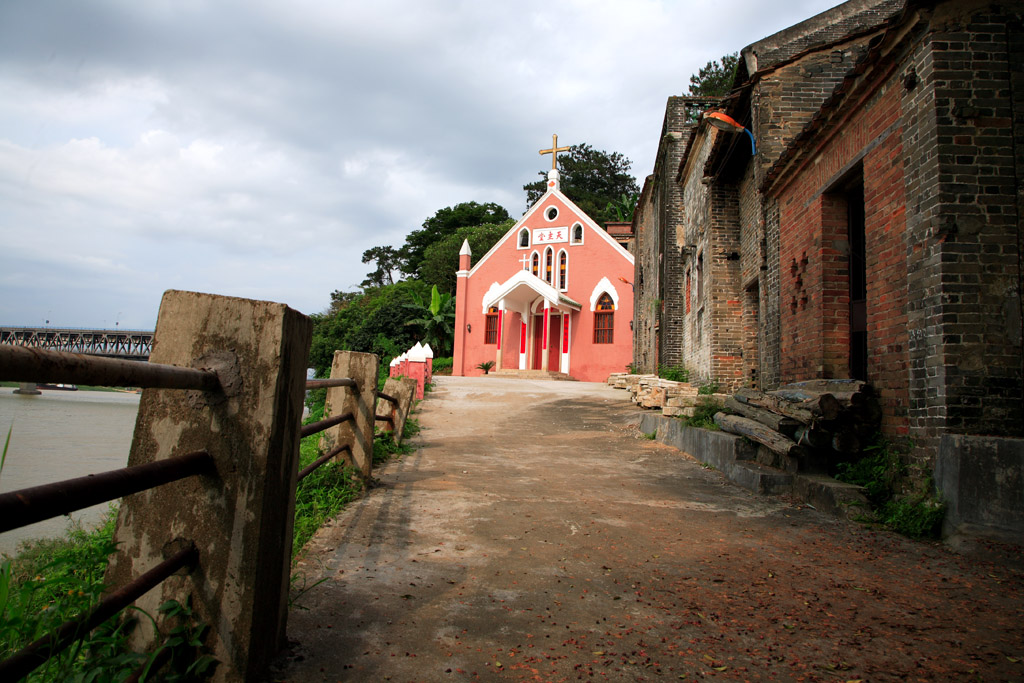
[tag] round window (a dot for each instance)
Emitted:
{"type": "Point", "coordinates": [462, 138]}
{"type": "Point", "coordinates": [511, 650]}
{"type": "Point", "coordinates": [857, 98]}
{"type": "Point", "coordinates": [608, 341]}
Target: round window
{"type": "Point", "coordinates": [552, 213]}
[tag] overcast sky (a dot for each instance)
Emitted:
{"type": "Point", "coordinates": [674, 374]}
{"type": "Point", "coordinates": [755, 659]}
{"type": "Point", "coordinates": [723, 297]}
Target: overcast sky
{"type": "Point", "coordinates": [256, 149]}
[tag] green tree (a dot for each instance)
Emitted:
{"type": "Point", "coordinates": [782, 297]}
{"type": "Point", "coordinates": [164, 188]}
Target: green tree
{"type": "Point", "coordinates": [372, 322]}
{"type": "Point", "coordinates": [592, 179]}
{"type": "Point", "coordinates": [436, 321]}
{"type": "Point", "coordinates": [441, 259]}
{"type": "Point", "coordinates": [623, 207]}
{"type": "Point", "coordinates": [715, 79]}
{"type": "Point", "coordinates": [442, 224]}
{"type": "Point", "coordinates": [388, 260]}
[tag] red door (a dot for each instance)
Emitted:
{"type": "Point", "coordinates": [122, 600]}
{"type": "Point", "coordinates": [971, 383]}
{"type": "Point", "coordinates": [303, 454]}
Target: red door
{"type": "Point", "coordinates": [555, 343]}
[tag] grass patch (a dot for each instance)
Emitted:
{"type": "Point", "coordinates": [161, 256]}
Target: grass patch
{"type": "Point", "coordinates": [703, 415]}
{"type": "Point", "coordinates": [674, 373]}
{"type": "Point", "coordinates": [54, 580]}
{"type": "Point", "coordinates": [884, 475]}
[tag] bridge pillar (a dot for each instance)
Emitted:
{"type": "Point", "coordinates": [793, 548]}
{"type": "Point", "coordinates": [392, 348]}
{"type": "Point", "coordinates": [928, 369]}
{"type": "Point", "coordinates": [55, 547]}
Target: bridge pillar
{"type": "Point", "coordinates": [28, 389]}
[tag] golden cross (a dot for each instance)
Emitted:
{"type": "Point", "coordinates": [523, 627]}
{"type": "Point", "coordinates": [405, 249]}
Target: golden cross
{"type": "Point", "coordinates": [555, 149]}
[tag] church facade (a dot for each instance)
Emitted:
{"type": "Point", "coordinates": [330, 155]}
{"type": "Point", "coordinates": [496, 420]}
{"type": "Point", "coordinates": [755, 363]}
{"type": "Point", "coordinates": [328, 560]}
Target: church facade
{"type": "Point", "coordinates": [553, 295]}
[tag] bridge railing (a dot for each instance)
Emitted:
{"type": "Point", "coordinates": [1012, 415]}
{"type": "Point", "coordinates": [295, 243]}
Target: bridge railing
{"type": "Point", "coordinates": [136, 344]}
{"type": "Point", "coordinates": [211, 477]}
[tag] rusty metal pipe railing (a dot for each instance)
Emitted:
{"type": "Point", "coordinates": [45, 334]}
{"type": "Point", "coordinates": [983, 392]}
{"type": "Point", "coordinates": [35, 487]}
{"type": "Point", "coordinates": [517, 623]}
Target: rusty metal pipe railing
{"type": "Point", "coordinates": [25, 364]}
{"type": "Point", "coordinates": [314, 427]}
{"type": "Point", "coordinates": [385, 418]}
{"type": "Point", "coordinates": [336, 382]}
{"type": "Point", "coordinates": [34, 504]}
{"type": "Point", "coordinates": [390, 399]}
{"type": "Point", "coordinates": [33, 655]}
{"type": "Point", "coordinates": [311, 467]}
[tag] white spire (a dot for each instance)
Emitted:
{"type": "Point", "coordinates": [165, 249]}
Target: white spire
{"type": "Point", "coordinates": [465, 248]}
{"type": "Point", "coordinates": [553, 179]}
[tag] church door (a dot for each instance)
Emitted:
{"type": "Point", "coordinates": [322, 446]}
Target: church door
{"type": "Point", "coordinates": [555, 343]}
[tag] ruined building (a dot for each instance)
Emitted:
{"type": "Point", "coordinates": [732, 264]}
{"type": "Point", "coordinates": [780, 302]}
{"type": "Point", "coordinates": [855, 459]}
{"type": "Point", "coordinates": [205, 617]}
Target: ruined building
{"type": "Point", "coordinates": [876, 230]}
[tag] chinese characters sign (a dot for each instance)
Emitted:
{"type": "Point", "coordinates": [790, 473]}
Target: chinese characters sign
{"type": "Point", "coordinates": [550, 235]}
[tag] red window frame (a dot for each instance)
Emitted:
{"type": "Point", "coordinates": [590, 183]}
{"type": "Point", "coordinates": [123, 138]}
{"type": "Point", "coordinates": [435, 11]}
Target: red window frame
{"type": "Point", "coordinates": [491, 326]}
{"type": "Point", "coordinates": [604, 320]}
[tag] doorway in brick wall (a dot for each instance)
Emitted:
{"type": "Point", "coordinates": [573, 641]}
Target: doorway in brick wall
{"type": "Point", "coordinates": [858, 279]}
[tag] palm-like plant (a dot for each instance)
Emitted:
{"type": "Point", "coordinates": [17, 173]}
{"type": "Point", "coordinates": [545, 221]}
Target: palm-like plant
{"type": "Point", "coordinates": [436, 321]}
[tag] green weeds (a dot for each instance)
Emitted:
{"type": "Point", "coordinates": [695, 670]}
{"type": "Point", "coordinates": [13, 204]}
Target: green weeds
{"type": "Point", "coordinates": [883, 474]}
{"type": "Point", "coordinates": [56, 580]}
{"type": "Point", "coordinates": [674, 373]}
{"type": "Point", "coordinates": [703, 415]}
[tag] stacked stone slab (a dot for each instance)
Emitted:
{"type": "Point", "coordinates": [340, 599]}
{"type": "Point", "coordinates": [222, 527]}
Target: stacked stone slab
{"type": "Point", "coordinates": [652, 392]}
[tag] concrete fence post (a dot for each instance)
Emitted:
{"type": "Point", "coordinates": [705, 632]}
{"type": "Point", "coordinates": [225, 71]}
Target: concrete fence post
{"type": "Point", "coordinates": [362, 367]}
{"type": "Point", "coordinates": [403, 389]}
{"type": "Point", "coordinates": [240, 519]}
{"type": "Point", "coordinates": [418, 368]}
{"type": "Point", "coordinates": [429, 353]}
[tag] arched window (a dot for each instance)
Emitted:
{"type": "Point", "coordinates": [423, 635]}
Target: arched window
{"type": "Point", "coordinates": [563, 270]}
{"type": "Point", "coordinates": [549, 264]}
{"type": "Point", "coordinates": [524, 238]}
{"type": "Point", "coordinates": [577, 234]}
{"type": "Point", "coordinates": [536, 264]}
{"type": "Point", "coordinates": [491, 327]}
{"type": "Point", "coordinates": [604, 320]}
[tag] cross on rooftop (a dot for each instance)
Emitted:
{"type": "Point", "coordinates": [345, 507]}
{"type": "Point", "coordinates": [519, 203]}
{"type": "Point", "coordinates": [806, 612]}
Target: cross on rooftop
{"type": "Point", "coordinates": [555, 149]}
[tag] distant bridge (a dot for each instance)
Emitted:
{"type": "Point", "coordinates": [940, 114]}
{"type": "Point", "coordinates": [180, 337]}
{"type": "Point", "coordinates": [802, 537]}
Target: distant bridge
{"type": "Point", "coordinates": [126, 344]}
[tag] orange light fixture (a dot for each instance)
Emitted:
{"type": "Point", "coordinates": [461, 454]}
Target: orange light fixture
{"type": "Point", "coordinates": [729, 125]}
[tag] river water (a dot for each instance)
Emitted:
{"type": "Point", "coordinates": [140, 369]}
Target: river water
{"type": "Point", "coordinates": [60, 435]}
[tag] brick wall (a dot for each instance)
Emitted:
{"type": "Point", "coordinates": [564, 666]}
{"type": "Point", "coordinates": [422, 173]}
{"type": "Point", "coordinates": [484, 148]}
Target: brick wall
{"type": "Point", "coordinates": [814, 257]}
{"type": "Point", "coordinates": [646, 284]}
{"type": "Point", "coordinates": [964, 214]}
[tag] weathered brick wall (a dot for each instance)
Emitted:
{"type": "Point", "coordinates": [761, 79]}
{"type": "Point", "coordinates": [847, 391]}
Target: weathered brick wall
{"type": "Point", "coordinates": [784, 101]}
{"type": "Point", "coordinates": [680, 119]}
{"type": "Point", "coordinates": [963, 213]}
{"type": "Point", "coordinates": [695, 234]}
{"type": "Point", "coordinates": [646, 281]}
{"type": "Point", "coordinates": [771, 299]}
{"type": "Point", "coordinates": [724, 326]}
{"type": "Point", "coordinates": [814, 254]}
{"type": "Point", "coordinates": [660, 329]}
{"type": "Point", "coordinates": [753, 265]}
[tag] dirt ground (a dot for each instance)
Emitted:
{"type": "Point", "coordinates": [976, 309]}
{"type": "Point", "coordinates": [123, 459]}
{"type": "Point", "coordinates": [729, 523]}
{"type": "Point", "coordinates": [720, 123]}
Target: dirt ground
{"type": "Point", "coordinates": [536, 536]}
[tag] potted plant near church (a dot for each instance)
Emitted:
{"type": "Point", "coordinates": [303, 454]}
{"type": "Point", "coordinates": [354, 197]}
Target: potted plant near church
{"type": "Point", "coordinates": [486, 366]}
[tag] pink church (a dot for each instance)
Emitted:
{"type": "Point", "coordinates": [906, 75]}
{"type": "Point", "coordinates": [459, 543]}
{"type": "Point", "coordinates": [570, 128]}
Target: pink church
{"type": "Point", "coordinates": [554, 295]}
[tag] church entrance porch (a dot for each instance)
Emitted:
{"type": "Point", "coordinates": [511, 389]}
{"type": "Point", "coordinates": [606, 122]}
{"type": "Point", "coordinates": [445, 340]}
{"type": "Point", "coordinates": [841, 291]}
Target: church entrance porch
{"type": "Point", "coordinates": [553, 338]}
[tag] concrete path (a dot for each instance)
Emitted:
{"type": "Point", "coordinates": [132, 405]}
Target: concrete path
{"type": "Point", "coordinates": [534, 535]}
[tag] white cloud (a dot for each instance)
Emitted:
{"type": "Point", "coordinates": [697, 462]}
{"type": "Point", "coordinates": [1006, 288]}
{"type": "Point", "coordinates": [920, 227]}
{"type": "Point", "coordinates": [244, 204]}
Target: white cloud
{"type": "Point", "coordinates": [257, 149]}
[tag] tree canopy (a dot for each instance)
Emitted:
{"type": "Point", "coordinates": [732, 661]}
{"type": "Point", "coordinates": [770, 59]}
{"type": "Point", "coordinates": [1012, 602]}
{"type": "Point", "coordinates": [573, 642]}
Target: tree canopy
{"type": "Point", "coordinates": [441, 259]}
{"type": "Point", "coordinates": [592, 179]}
{"type": "Point", "coordinates": [715, 78]}
{"type": "Point", "coordinates": [442, 224]}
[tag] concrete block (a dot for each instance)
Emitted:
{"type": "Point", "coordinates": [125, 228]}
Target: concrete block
{"type": "Point", "coordinates": [358, 433]}
{"type": "Point", "coordinates": [981, 481]}
{"type": "Point", "coordinates": [403, 389]}
{"type": "Point", "coordinates": [240, 518]}
{"type": "Point", "coordinates": [670, 411]}
{"type": "Point", "coordinates": [760, 479]}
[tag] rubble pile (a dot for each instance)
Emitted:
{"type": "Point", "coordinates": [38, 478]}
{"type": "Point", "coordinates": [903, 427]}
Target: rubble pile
{"type": "Point", "coordinates": [675, 399]}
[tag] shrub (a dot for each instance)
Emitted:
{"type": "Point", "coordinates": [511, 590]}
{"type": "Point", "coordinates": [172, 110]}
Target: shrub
{"type": "Point", "coordinates": [882, 473]}
{"type": "Point", "coordinates": [674, 373]}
